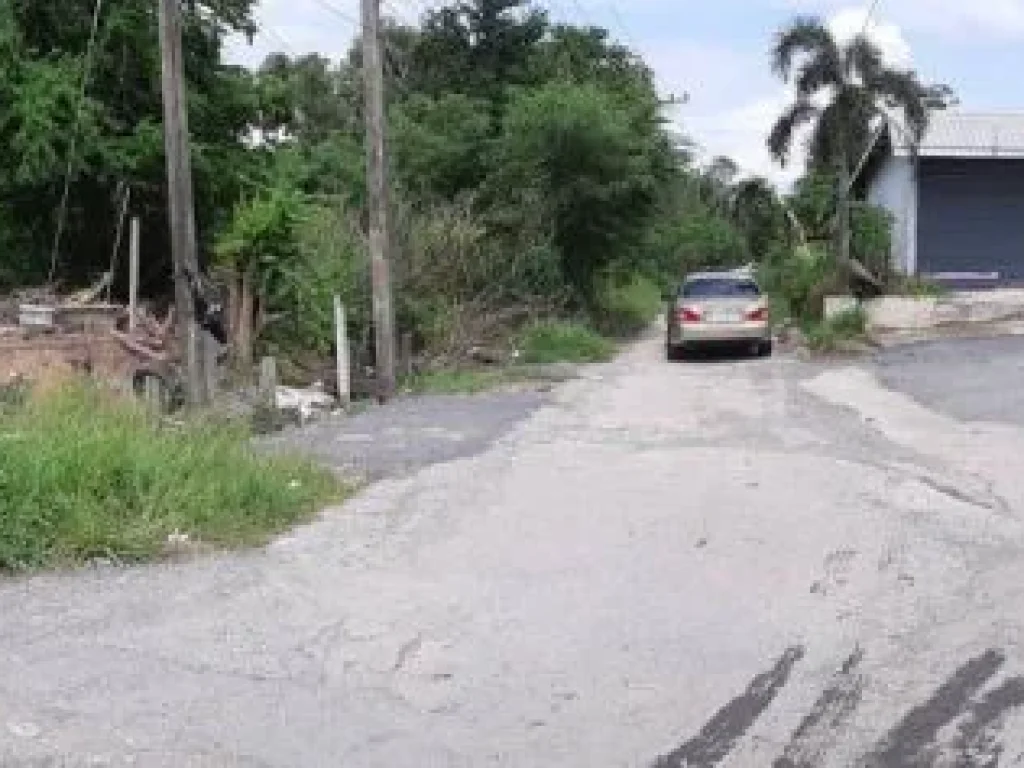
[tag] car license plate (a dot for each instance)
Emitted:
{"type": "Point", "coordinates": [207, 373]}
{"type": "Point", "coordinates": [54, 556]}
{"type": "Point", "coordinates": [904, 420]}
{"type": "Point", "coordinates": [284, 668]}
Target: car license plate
{"type": "Point", "coordinates": [723, 316]}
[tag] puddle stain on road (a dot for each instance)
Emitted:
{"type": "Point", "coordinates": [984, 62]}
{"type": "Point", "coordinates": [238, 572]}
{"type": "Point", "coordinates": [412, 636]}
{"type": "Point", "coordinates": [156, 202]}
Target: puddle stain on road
{"type": "Point", "coordinates": [731, 723]}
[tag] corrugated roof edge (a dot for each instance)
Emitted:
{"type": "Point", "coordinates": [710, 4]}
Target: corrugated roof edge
{"type": "Point", "coordinates": [968, 135]}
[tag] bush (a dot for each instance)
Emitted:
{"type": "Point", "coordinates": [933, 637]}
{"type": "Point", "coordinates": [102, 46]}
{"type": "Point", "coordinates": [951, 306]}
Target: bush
{"type": "Point", "coordinates": [828, 335]}
{"type": "Point", "coordinates": [563, 342]}
{"type": "Point", "coordinates": [871, 238]}
{"type": "Point", "coordinates": [83, 474]}
{"type": "Point", "coordinates": [626, 307]}
{"type": "Point", "coordinates": [799, 279]}
{"type": "Point", "coordinates": [915, 286]}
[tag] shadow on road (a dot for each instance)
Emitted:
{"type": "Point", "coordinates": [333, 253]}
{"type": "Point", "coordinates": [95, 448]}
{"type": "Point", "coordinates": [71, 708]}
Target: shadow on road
{"type": "Point", "coordinates": [724, 353]}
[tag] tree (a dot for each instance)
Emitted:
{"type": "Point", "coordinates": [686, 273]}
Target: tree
{"type": "Point", "coordinates": [842, 91]}
{"type": "Point", "coordinates": [576, 155]}
{"type": "Point", "coordinates": [478, 48]}
{"type": "Point", "coordinates": [441, 143]}
{"type": "Point", "coordinates": [259, 252]}
{"type": "Point", "coordinates": [113, 140]}
{"type": "Point", "coordinates": [759, 214]}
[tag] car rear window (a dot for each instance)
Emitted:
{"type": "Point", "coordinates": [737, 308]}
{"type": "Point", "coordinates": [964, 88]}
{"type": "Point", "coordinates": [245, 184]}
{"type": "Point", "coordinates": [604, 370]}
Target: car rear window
{"type": "Point", "coordinates": [719, 288]}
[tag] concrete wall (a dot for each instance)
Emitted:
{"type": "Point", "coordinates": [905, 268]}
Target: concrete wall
{"type": "Point", "coordinates": [904, 313]}
{"type": "Point", "coordinates": [894, 188]}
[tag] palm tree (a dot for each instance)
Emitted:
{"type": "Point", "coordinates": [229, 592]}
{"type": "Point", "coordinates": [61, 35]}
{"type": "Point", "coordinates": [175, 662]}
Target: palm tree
{"type": "Point", "coordinates": [842, 93]}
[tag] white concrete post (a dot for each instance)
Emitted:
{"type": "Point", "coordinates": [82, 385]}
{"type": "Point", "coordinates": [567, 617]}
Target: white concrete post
{"type": "Point", "coordinates": [341, 342]}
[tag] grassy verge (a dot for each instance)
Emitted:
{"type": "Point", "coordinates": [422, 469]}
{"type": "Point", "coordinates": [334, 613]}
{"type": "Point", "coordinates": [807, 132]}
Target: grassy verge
{"type": "Point", "coordinates": [463, 381]}
{"type": "Point", "coordinates": [552, 342]}
{"type": "Point", "coordinates": [836, 333]}
{"type": "Point", "coordinates": [85, 475]}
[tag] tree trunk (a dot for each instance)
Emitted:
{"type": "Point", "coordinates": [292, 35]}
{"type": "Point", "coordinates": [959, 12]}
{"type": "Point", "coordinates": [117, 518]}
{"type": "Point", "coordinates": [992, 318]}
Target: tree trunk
{"type": "Point", "coordinates": [843, 233]}
{"type": "Point", "coordinates": [244, 335]}
{"type": "Point", "coordinates": [234, 304]}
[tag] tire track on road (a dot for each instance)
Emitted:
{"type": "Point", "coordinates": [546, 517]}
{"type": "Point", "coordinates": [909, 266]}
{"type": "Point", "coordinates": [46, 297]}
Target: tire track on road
{"type": "Point", "coordinates": [730, 724]}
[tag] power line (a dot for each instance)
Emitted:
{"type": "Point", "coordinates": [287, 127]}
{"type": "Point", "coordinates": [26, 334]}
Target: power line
{"type": "Point", "coordinates": [344, 15]}
{"type": "Point", "coordinates": [867, 19]}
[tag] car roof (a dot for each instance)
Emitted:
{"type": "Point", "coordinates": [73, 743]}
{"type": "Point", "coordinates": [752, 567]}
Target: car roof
{"type": "Point", "coordinates": [724, 275]}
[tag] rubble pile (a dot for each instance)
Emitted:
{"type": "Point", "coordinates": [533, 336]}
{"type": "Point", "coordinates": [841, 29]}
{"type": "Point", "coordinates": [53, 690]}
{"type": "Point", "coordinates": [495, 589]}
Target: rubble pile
{"type": "Point", "coordinates": [44, 335]}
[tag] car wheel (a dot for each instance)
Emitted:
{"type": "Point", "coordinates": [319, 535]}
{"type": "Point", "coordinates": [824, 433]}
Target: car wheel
{"type": "Point", "coordinates": [764, 349]}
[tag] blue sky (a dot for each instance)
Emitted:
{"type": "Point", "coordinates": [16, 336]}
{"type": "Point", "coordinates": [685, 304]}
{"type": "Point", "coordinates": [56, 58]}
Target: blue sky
{"type": "Point", "coordinates": [717, 51]}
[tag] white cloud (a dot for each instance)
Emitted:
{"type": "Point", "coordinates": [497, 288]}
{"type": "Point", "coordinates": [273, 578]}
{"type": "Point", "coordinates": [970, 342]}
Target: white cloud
{"type": "Point", "coordinates": [848, 23]}
{"type": "Point", "coordinates": [741, 132]}
{"type": "Point", "coordinates": [960, 20]}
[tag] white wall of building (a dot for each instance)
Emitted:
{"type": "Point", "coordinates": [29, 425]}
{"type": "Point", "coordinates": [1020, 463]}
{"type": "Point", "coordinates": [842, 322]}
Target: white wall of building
{"type": "Point", "coordinates": [894, 188]}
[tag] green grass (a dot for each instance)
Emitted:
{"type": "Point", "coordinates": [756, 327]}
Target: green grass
{"type": "Point", "coordinates": [916, 286]}
{"type": "Point", "coordinates": [563, 342]}
{"type": "Point", "coordinates": [85, 474]}
{"type": "Point", "coordinates": [830, 335]}
{"type": "Point", "coordinates": [462, 381]}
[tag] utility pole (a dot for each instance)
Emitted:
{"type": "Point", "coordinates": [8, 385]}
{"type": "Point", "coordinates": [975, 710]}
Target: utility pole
{"type": "Point", "coordinates": [377, 187]}
{"type": "Point", "coordinates": [180, 203]}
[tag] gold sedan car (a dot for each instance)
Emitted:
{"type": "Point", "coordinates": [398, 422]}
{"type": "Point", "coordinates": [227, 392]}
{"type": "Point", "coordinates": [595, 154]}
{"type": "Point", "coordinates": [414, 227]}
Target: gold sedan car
{"type": "Point", "coordinates": [718, 309]}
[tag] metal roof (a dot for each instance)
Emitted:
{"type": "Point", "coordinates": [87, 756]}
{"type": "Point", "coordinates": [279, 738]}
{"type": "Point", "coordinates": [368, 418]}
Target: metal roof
{"type": "Point", "coordinates": [965, 135]}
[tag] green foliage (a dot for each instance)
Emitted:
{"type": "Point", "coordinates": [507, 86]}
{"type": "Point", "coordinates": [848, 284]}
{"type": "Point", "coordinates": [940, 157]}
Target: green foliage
{"type": "Point", "coordinates": [871, 238]}
{"type": "Point", "coordinates": [463, 381]}
{"type": "Point", "coordinates": [915, 286]}
{"type": "Point", "coordinates": [441, 143]}
{"type": "Point", "coordinates": [705, 240]}
{"type": "Point", "coordinates": [576, 152]}
{"type": "Point", "coordinates": [625, 306]}
{"type": "Point", "coordinates": [814, 203]}
{"type": "Point", "coordinates": [759, 214]}
{"type": "Point", "coordinates": [460, 283]}
{"type": "Point", "coordinates": [836, 333]}
{"type": "Point", "coordinates": [549, 342]}
{"type": "Point", "coordinates": [113, 137]}
{"type": "Point", "coordinates": [84, 475]}
{"type": "Point", "coordinates": [477, 47]}
{"type": "Point", "coordinates": [799, 278]}
{"type": "Point", "coordinates": [331, 260]}
{"type": "Point", "coordinates": [261, 237]}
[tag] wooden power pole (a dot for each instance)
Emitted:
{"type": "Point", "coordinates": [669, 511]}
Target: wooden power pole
{"type": "Point", "coordinates": [377, 185]}
{"type": "Point", "coordinates": [180, 203]}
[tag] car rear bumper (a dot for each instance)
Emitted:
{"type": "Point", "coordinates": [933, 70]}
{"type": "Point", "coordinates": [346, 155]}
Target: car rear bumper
{"type": "Point", "coordinates": [719, 333]}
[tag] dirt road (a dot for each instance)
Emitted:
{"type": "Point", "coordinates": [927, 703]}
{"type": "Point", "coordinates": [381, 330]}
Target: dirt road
{"type": "Point", "coordinates": [740, 563]}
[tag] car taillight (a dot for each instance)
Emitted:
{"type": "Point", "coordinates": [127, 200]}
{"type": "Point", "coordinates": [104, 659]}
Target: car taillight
{"type": "Point", "coordinates": [689, 315]}
{"type": "Point", "coordinates": [758, 314]}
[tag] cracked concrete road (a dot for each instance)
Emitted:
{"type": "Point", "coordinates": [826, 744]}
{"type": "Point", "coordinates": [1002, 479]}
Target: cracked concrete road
{"type": "Point", "coordinates": [744, 563]}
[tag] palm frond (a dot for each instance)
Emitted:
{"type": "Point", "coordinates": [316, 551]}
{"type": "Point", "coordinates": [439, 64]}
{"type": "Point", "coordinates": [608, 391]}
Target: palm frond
{"type": "Point", "coordinates": [807, 36]}
{"type": "Point", "coordinates": [780, 140]}
{"type": "Point", "coordinates": [862, 59]}
{"type": "Point", "coordinates": [843, 131]}
{"type": "Point", "coordinates": [901, 90]}
{"type": "Point", "coordinates": [818, 74]}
